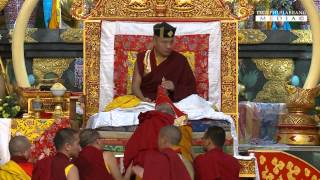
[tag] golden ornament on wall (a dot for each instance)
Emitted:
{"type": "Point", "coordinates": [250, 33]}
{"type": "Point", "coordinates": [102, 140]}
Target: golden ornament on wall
{"type": "Point", "coordinates": [303, 36]}
{"type": "Point", "coordinates": [138, 5]}
{"type": "Point", "coordinates": [251, 36]}
{"type": "Point", "coordinates": [72, 35]}
{"type": "Point", "coordinates": [138, 2]}
{"type": "Point", "coordinates": [43, 66]}
{"type": "Point", "coordinates": [214, 9]}
{"type": "Point", "coordinates": [183, 2]}
{"type": "Point", "coordinates": [277, 72]}
{"type": "Point", "coordinates": [66, 11]}
{"type": "Point", "coordinates": [183, 5]}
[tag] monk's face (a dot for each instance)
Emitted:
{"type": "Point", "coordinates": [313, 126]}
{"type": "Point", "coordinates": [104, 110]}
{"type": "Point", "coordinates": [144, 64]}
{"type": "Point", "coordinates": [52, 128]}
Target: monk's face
{"type": "Point", "coordinates": [162, 142]}
{"type": "Point", "coordinates": [205, 143]}
{"type": "Point", "coordinates": [27, 153]}
{"type": "Point", "coordinates": [163, 46]}
{"type": "Point", "coordinates": [74, 147]}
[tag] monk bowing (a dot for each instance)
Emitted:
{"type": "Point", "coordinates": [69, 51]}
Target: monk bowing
{"type": "Point", "coordinates": [93, 162]}
{"type": "Point", "coordinates": [18, 167]}
{"type": "Point", "coordinates": [167, 163]}
{"type": "Point", "coordinates": [215, 164]}
{"type": "Point", "coordinates": [60, 166]}
{"type": "Point", "coordinates": [162, 66]}
{"type": "Point", "coordinates": [146, 135]}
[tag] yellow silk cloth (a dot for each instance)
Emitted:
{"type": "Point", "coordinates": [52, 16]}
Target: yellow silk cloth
{"type": "Point", "coordinates": [12, 171]}
{"type": "Point", "coordinates": [55, 15]}
{"type": "Point", "coordinates": [29, 127]}
{"type": "Point", "coordinates": [186, 141]}
{"type": "Point", "coordinates": [127, 101]}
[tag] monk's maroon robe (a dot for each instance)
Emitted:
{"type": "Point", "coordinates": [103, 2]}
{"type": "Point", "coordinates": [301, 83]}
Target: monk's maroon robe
{"type": "Point", "coordinates": [91, 164]}
{"type": "Point", "coordinates": [164, 165]}
{"type": "Point", "coordinates": [51, 168]}
{"type": "Point", "coordinates": [215, 164]}
{"type": "Point", "coordinates": [175, 68]}
{"type": "Point", "coordinates": [145, 136]}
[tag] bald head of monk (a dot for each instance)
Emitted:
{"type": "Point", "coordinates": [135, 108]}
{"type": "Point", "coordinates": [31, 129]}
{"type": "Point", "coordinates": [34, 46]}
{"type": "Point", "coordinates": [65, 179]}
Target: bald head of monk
{"type": "Point", "coordinates": [20, 146]}
{"type": "Point", "coordinates": [90, 137]}
{"type": "Point", "coordinates": [165, 108]}
{"type": "Point", "coordinates": [215, 136]}
{"type": "Point", "coordinates": [169, 136]}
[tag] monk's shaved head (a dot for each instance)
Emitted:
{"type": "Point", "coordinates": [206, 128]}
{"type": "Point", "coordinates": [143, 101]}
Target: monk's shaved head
{"type": "Point", "coordinates": [64, 136]}
{"type": "Point", "coordinates": [18, 145]}
{"type": "Point", "coordinates": [172, 133]}
{"type": "Point", "coordinates": [88, 136]}
{"type": "Point", "coordinates": [165, 108]}
{"type": "Point", "coordinates": [216, 134]}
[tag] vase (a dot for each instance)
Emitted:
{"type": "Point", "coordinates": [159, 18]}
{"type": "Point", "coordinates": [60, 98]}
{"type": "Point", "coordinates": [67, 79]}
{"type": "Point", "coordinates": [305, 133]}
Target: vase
{"type": "Point", "coordinates": [297, 127]}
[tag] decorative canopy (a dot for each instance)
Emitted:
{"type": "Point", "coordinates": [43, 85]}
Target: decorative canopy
{"type": "Point", "coordinates": [135, 9]}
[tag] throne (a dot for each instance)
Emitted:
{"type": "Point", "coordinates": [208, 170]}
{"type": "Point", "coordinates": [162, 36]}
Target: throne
{"type": "Point", "coordinates": [116, 30]}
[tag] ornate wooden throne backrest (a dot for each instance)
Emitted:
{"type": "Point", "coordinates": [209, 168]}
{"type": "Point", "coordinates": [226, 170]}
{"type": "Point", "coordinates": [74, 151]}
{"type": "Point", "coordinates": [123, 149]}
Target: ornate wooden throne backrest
{"type": "Point", "coordinates": [161, 10]}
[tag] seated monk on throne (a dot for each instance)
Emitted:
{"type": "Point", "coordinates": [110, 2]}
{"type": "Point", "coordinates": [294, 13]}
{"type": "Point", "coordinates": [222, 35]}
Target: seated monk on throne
{"type": "Point", "coordinates": [162, 66]}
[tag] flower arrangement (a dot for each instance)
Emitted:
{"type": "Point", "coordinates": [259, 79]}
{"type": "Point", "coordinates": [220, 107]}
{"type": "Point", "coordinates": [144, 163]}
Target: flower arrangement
{"type": "Point", "coordinates": [9, 107]}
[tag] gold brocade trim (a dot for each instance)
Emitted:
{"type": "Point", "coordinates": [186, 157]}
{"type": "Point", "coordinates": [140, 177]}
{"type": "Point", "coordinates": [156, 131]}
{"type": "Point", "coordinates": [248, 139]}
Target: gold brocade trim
{"type": "Point", "coordinates": [229, 67]}
{"type": "Point", "coordinates": [251, 36]}
{"type": "Point", "coordinates": [304, 37]}
{"type": "Point", "coordinates": [72, 35]}
{"type": "Point", "coordinates": [235, 117]}
{"type": "Point", "coordinates": [124, 9]}
{"type": "Point", "coordinates": [277, 72]}
{"type": "Point", "coordinates": [92, 37]}
{"type": "Point", "coordinates": [247, 168]}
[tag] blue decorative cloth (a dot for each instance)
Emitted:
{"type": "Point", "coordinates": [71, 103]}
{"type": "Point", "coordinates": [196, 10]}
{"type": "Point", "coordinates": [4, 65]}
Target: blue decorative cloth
{"type": "Point", "coordinates": [47, 8]}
